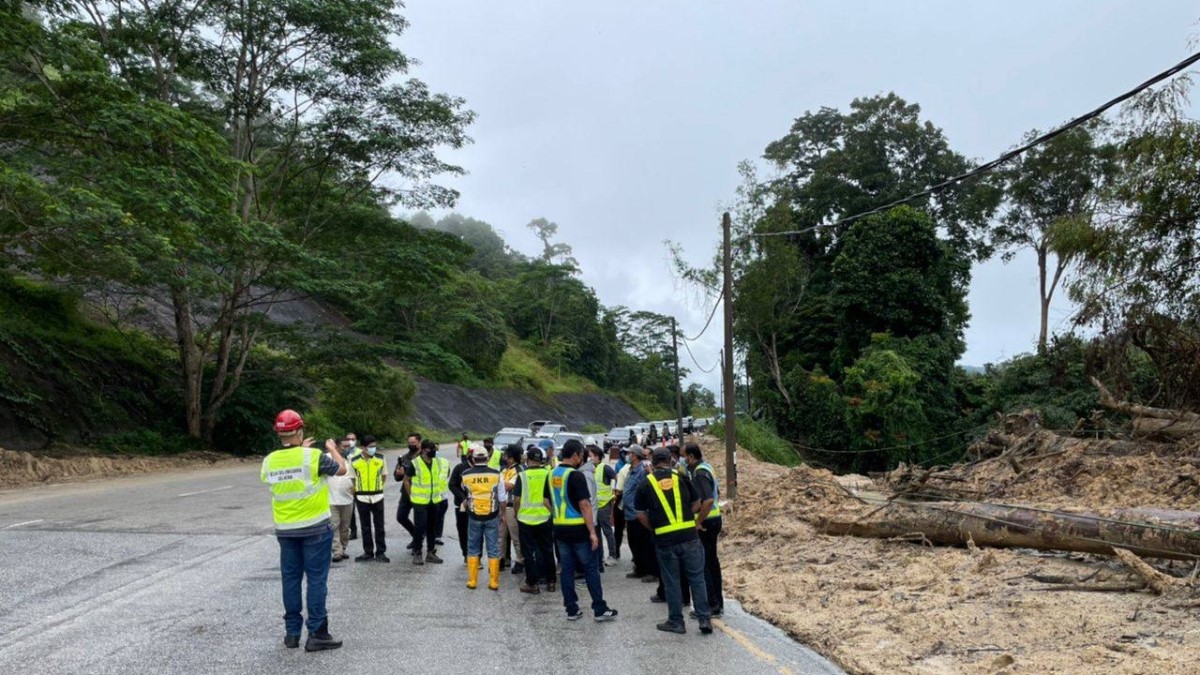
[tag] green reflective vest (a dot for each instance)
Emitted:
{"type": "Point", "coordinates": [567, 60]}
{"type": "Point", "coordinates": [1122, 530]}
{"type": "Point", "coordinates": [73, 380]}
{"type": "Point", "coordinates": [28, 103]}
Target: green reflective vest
{"type": "Point", "coordinates": [299, 495]}
{"type": "Point", "coordinates": [368, 473]}
{"type": "Point", "coordinates": [533, 509]}
{"type": "Point", "coordinates": [494, 460]}
{"type": "Point", "coordinates": [428, 482]}
{"type": "Point", "coordinates": [565, 513]}
{"type": "Point", "coordinates": [675, 521]}
{"type": "Point", "coordinates": [716, 507]}
{"type": "Point", "coordinates": [604, 493]}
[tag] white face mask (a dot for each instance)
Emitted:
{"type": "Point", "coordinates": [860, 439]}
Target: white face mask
{"type": "Point", "coordinates": [352, 444]}
{"type": "Point", "coordinates": [371, 450]}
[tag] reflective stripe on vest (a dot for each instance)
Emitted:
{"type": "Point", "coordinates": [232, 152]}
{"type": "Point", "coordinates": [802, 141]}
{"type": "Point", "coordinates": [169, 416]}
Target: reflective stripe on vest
{"type": "Point", "coordinates": [675, 521]}
{"type": "Point", "coordinates": [299, 495]}
{"type": "Point", "coordinates": [443, 484]}
{"type": "Point", "coordinates": [481, 492]}
{"type": "Point", "coordinates": [494, 460]}
{"type": "Point", "coordinates": [604, 493]}
{"type": "Point", "coordinates": [533, 509]}
{"type": "Point", "coordinates": [716, 507]}
{"type": "Point", "coordinates": [426, 482]}
{"type": "Point", "coordinates": [565, 513]}
{"type": "Point", "coordinates": [369, 473]}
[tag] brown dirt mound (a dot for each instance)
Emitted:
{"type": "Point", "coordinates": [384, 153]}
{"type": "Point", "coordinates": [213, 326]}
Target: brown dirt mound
{"type": "Point", "coordinates": [23, 469]}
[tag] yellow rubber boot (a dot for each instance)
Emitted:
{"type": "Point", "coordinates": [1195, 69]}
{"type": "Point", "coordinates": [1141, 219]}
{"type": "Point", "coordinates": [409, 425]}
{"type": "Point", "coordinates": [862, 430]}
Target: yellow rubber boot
{"type": "Point", "coordinates": [494, 574]}
{"type": "Point", "coordinates": [472, 572]}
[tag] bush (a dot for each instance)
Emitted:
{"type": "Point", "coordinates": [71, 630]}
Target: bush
{"type": "Point", "coordinates": [244, 424]}
{"type": "Point", "coordinates": [761, 441]}
{"type": "Point", "coordinates": [367, 399]}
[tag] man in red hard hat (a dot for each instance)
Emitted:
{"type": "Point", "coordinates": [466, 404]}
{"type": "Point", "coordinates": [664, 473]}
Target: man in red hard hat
{"type": "Point", "coordinates": [300, 505]}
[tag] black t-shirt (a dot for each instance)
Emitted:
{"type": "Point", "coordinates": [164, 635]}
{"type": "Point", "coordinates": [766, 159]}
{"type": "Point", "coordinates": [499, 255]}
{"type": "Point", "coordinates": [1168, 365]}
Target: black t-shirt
{"type": "Point", "coordinates": [703, 482]}
{"type": "Point", "coordinates": [456, 486]}
{"type": "Point", "coordinates": [577, 491]}
{"type": "Point", "coordinates": [647, 501]}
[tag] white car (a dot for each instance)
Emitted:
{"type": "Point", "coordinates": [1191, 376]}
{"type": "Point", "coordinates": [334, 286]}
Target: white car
{"type": "Point", "coordinates": [549, 430]}
{"type": "Point", "coordinates": [510, 436]}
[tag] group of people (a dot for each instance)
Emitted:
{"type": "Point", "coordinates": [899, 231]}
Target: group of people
{"type": "Point", "coordinates": [548, 513]}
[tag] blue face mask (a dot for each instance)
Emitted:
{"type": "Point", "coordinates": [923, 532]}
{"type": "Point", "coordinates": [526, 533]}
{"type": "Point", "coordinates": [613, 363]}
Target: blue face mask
{"type": "Point", "coordinates": [371, 450]}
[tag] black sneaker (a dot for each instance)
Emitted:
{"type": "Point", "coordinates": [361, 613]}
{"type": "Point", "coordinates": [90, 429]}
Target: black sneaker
{"type": "Point", "coordinates": [608, 615]}
{"type": "Point", "coordinates": [668, 627]}
{"type": "Point", "coordinates": [418, 559]}
{"type": "Point", "coordinates": [657, 600]}
{"type": "Point", "coordinates": [518, 568]}
{"type": "Point", "coordinates": [382, 558]}
{"type": "Point", "coordinates": [431, 558]}
{"type": "Point", "coordinates": [634, 575]}
{"type": "Point", "coordinates": [706, 626]}
{"type": "Point", "coordinates": [576, 616]}
{"type": "Point", "coordinates": [291, 641]}
{"type": "Point", "coordinates": [364, 557]}
{"type": "Point", "coordinates": [551, 586]}
{"type": "Point", "coordinates": [321, 640]}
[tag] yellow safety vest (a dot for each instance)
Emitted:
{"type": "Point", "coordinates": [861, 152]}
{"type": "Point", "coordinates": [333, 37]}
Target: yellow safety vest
{"type": "Point", "coordinates": [426, 482]}
{"type": "Point", "coordinates": [675, 521]}
{"type": "Point", "coordinates": [604, 493]}
{"type": "Point", "coordinates": [716, 507]}
{"type": "Point", "coordinates": [443, 483]}
{"type": "Point", "coordinates": [369, 474]}
{"type": "Point", "coordinates": [299, 495]}
{"type": "Point", "coordinates": [481, 491]}
{"type": "Point", "coordinates": [565, 513]}
{"type": "Point", "coordinates": [533, 509]}
{"type": "Point", "coordinates": [464, 447]}
{"type": "Point", "coordinates": [494, 460]}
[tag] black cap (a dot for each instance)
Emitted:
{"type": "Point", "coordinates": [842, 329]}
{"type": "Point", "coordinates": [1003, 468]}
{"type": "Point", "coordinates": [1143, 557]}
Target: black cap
{"type": "Point", "coordinates": [660, 455]}
{"type": "Point", "coordinates": [534, 454]}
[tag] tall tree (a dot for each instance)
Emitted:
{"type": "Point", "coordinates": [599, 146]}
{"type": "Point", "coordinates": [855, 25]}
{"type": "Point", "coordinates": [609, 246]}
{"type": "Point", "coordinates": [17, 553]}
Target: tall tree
{"type": "Point", "coordinates": [553, 253]}
{"type": "Point", "coordinates": [1050, 191]}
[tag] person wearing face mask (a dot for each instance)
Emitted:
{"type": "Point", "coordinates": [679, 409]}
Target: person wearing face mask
{"type": "Point", "coordinates": [351, 455]}
{"type": "Point", "coordinates": [404, 508]}
{"type": "Point", "coordinates": [341, 505]}
{"type": "Point", "coordinates": [370, 472]}
{"type": "Point", "coordinates": [426, 487]}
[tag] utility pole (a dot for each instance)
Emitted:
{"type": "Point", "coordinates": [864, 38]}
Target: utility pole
{"type": "Point", "coordinates": [727, 363]}
{"type": "Point", "coordinates": [746, 362]}
{"type": "Point", "coordinates": [678, 386]}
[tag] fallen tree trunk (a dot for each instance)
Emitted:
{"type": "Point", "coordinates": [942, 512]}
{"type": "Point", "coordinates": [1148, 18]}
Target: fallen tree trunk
{"type": "Point", "coordinates": [1149, 533]}
{"type": "Point", "coordinates": [1134, 410]}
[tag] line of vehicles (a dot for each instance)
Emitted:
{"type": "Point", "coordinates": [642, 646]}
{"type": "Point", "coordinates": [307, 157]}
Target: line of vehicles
{"type": "Point", "coordinates": [548, 433]}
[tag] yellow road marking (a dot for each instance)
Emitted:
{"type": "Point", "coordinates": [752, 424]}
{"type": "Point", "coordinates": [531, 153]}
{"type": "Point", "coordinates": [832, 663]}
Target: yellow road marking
{"type": "Point", "coordinates": [749, 646]}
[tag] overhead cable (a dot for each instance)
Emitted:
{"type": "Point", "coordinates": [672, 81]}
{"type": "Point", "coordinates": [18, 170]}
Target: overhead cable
{"type": "Point", "coordinates": [1010, 155]}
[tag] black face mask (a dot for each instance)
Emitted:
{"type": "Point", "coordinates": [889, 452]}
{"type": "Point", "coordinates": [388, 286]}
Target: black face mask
{"type": "Point", "coordinates": [414, 448]}
{"type": "Point", "coordinates": [432, 453]}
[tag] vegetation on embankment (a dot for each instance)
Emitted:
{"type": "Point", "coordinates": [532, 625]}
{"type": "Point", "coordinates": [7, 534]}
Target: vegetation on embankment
{"type": "Point", "coordinates": [759, 440]}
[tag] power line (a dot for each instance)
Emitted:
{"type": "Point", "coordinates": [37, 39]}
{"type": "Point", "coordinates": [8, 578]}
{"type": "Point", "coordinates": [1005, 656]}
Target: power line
{"type": "Point", "coordinates": [706, 323]}
{"type": "Point", "coordinates": [1012, 154]}
{"type": "Point", "coordinates": [689, 351]}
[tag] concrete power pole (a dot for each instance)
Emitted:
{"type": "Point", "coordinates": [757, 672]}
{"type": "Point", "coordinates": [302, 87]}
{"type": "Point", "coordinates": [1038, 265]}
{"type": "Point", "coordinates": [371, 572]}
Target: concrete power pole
{"type": "Point", "coordinates": [727, 363]}
{"type": "Point", "coordinates": [678, 385]}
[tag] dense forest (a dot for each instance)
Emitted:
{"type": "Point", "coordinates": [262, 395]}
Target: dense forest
{"type": "Point", "coordinates": [173, 173]}
{"type": "Point", "coordinates": [852, 331]}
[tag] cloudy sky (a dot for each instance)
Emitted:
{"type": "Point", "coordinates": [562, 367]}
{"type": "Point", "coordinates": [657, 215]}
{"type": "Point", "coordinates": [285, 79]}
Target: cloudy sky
{"type": "Point", "coordinates": [623, 120]}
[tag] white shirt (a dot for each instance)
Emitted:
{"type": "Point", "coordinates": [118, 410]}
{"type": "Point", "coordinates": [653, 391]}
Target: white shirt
{"type": "Point", "coordinates": [341, 489]}
{"type": "Point", "coordinates": [622, 476]}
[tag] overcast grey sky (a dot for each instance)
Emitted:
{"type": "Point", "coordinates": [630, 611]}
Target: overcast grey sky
{"type": "Point", "coordinates": [624, 120]}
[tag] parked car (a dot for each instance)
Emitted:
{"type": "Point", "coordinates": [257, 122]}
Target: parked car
{"type": "Point", "coordinates": [510, 436]}
{"type": "Point", "coordinates": [564, 436]}
{"type": "Point", "coordinates": [642, 428]}
{"type": "Point", "coordinates": [549, 430]}
{"type": "Point", "coordinates": [536, 426]}
{"type": "Point", "coordinates": [618, 436]}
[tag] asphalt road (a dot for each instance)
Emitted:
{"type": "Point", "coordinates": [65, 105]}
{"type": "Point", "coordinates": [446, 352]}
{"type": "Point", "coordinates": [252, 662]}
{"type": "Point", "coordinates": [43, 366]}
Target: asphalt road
{"type": "Point", "coordinates": [179, 573]}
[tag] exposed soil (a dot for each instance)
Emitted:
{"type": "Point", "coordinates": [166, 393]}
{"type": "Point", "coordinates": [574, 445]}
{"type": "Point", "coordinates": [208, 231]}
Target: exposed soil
{"type": "Point", "coordinates": [881, 606]}
{"type": "Point", "coordinates": [24, 469]}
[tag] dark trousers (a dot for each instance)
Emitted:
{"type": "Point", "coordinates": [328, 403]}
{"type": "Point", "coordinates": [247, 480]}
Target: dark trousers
{"type": "Point", "coordinates": [641, 544]}
{"type": "Point", "coordinates": [618, 529]}
{"type": "Point", "coordinates": [403, 511]}
{"type": "Point", "coordinates": [305, 559]}
{"type": "Point", "coordinates": [460, 524]}
{"type": "Point", "coordinates": [353, 523]}
{"type": "Point", "coordinates": [679, 564]}
{"type": "Point", "coordinates": [445, 506]}
{"type": "Point", "coordinates": [371, 516]}
{"type": "Point", "coordinates": [684, 591]}
{"type": "Point", "coordinates": [712, 564]}
{"type": "Point", "coordinates": [537, 545]}
{"type": "Point", "coordinates": [576, 556]}
{"type": "Point", "coordinates": [426, 523]}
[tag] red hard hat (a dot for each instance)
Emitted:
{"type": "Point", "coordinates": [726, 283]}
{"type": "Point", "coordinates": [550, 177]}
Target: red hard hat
{"type": "Point", "coordinates": [288, 420]}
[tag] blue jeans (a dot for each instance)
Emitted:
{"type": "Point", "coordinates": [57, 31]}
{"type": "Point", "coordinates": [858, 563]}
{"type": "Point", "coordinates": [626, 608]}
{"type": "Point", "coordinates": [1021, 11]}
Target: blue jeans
{"type": "Point", "coordinates": [571, 556]}
{"type": "Point", "coordinates": [301, 557]}
{"type": "Point", "coordinates": [687, 558]}
{"type": "Point", "coordinates": [480, 530]}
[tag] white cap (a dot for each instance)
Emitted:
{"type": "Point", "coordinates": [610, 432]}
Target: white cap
{"type": "Point", "coordinates": [478, 451]}
{"type": "Point", "coordinates": [590, 440]}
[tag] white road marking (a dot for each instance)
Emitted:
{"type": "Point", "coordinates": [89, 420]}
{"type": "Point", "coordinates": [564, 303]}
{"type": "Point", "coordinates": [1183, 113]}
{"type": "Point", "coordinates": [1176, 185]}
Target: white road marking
{"type": "Point", "coordinates": [28, 522]}
{"type": "Point", "coordinates": [189, 494]}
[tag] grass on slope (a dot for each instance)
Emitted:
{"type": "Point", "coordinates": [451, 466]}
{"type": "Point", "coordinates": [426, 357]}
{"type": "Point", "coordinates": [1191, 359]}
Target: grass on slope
{"type": "Point", "coordinates": [521, 369]}
{"type": "Point", "coordinates": [760, 441]}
